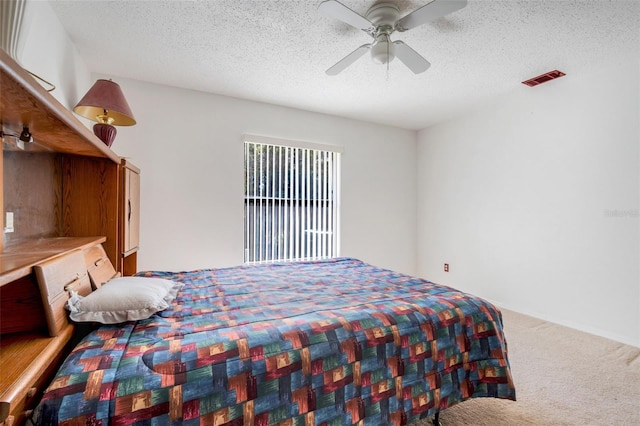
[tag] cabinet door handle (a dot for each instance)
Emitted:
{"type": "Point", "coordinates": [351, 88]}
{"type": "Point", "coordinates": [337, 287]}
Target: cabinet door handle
{"type": "Point", "coordinates": [129, 215]}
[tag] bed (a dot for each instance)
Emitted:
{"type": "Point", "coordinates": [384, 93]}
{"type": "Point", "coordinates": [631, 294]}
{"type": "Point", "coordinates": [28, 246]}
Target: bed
{"type": "Point", "coordinates": [329, 342]}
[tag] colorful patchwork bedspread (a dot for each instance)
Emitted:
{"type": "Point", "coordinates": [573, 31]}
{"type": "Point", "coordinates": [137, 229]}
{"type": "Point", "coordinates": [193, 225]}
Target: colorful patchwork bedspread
{"type": "Point", "coordinates": [335, 342]}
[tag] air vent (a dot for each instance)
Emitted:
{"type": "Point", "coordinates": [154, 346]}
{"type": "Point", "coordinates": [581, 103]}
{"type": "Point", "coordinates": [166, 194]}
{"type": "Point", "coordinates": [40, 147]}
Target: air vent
{"type": "Point", "coordinates": [543, 78]}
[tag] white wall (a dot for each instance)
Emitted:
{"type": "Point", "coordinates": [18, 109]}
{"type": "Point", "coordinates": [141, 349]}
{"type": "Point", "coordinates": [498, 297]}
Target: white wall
{"type": "Point", "coordinates": [533, 200]}
{"type": "Point", "coordinates": [46, 50]}
{"type": "Point", "coordinates": [189, 147]}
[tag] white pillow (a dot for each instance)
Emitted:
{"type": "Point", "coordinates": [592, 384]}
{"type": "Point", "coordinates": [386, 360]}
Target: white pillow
{"type": "Point", "coordinates": [123, 299]}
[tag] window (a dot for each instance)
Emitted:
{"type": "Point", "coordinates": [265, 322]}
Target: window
{"type": "Point", "coordinates": [291, 201]}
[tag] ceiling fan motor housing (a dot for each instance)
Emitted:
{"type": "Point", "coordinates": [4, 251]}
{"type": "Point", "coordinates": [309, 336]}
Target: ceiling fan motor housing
{"type": "Point", "coordinates": [384, 17]}
{"type": "Point", "coordinates": [383, 14]}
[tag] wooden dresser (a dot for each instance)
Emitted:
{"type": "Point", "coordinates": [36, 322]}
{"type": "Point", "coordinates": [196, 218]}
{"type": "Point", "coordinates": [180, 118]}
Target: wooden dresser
{"type": "Point", "coordinates": [68, 192]}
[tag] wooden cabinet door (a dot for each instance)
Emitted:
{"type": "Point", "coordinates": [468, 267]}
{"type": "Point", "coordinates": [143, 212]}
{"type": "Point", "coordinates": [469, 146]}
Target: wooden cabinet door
{"type": "Point", "coordinates": [131, 210]}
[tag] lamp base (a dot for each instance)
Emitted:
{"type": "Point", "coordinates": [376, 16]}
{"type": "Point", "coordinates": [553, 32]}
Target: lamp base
{"type": "Point", "coordinates": [106, 132]}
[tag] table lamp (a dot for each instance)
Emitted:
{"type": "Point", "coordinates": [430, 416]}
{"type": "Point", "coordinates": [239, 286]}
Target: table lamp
{"type": "Point", "coordinates": [105, 104]}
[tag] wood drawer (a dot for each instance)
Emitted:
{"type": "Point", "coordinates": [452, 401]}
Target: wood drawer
{"type": "Point", "coordinates": [56, 278]}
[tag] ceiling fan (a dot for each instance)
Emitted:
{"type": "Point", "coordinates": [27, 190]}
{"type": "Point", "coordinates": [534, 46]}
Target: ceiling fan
{"type": "Point", "coordinates": [380, 21]}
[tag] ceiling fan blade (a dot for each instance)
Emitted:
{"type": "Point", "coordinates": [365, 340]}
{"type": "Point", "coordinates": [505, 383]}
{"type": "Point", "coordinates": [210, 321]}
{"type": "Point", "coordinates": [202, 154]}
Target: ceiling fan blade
{"type": "Point", "coordinates": [411, 58]}
{"type": "Point", "coordinates": [429, 12]}
{"type": "Point", "coordinates": [337, 10]}
{"type": "Point", "coordinates": [349, 59]}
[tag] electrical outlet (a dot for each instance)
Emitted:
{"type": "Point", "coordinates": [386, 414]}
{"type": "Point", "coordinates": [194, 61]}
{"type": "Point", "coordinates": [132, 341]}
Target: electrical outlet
{"type": "Point", "coordinates": [446, 267]}
{"type": "Point", "coordinates": [8, 222]}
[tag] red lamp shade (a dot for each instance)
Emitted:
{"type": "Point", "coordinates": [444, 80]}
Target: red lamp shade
{"type": "Point", "coordinates": [105, 103]}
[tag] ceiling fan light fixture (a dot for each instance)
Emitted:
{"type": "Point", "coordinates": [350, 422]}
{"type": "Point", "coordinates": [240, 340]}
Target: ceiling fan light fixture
{"type": "Point", "coordinates": [380, 21]}
{"type": "Point", "coordinates": [383, 50]}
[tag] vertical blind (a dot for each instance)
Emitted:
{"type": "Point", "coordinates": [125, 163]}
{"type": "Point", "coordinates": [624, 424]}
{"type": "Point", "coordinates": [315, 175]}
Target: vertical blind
{"type": "Point", "coordinates": [291, 203]}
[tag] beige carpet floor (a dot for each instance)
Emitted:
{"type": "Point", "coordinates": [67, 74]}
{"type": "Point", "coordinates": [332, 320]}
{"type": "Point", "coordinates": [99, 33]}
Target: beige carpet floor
{"type": "Point", "coordinates": [562, 377]}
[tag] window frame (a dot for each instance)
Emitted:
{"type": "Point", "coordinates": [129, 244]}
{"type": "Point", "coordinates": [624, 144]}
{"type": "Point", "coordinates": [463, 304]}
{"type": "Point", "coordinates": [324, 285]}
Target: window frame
{"type": "Point", "coordinates": [304, 217]}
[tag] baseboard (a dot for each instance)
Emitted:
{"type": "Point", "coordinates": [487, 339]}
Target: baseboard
{"type": "Point", "coordinates": [576, 326]}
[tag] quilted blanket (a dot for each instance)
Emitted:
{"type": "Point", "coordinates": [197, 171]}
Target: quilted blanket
{"type": "Point", "coordinates": [333, 342]}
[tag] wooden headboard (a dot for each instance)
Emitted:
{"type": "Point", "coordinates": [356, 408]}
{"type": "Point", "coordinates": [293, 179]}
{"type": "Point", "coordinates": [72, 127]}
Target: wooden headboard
{"type": "Point", "coordinates": [80, 271]}
{"type": "Point", "coordinates": [99, 266]}
{"type": "Point", "coordinates": [56, 278]}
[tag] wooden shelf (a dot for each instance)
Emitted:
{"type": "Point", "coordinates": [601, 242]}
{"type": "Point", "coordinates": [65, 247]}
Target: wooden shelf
{"type": "Point", "coordinates": [27, 363]}
{"type": "Point", "coordinates": [54, 127]}
{"type": "Point", "coordinates": [19, 257]}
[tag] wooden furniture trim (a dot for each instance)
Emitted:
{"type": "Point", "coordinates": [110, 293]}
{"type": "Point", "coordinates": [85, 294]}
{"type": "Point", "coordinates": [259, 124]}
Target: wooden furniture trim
{"type": "Point", "coordinates": [126, 163]}
{"type": "Point", "coordinates": [129, 218]}
{"type": "Point", "coordinates": [19, 257]}
{"type": "Point", "coordinates": [130, 264]}
{"type": "Point", "coordinates": [52, 125]}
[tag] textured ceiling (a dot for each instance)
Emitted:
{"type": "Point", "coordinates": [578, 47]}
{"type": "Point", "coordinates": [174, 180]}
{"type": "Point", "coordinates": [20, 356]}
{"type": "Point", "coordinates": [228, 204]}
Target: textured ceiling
{"type": "Point", "coordinates": [276, 51]}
